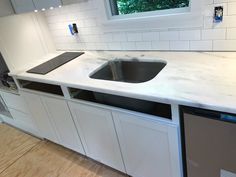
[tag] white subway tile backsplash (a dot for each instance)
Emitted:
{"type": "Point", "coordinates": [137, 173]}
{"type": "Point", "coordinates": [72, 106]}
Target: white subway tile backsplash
{"type": "Point", "coordinates": [208, 22]}
{"type": "Point", "coordinates": [90, 23]}
{"type": "Point", "coordinates": [179, 45]}
{"type": "Point", "coordinates": [92, 38]}
{"type": "Point", "coordinates": [106, 37]}
{"type": "Point", "coordinates": [213, 34]}
{"type": "Point", "coordinates": [119, 37]}
{"type": "Point", "coordinates": [224, 45]}
{"type": "Point", "coordinates": [228, 22]}
{"type": "Point", "coordinates": [102, 46]}
{"type": "Point", "coordinates": [232, 8]}
{"type": "Point", "coordinates": [169, 35]}
{"type": "Point", "coordinates": [220, 1]}
{"type": "Point", "coordinates": [161, 45]}
{"type": "Point", "coordinates": [231, 33]}
{"type": "Point", "coordinates": [151, 36]}
{"type": "Point", "coordinates": [114, 46]}
{"type": "Point", "coordinates": [93, 34]}
{"type": "Point", "coordinates": [128, 45]}
{"type": "Point", "coordinates": [201, 45]}
{"type": "Point", "coordinates": [91, 46]}
{"type": "Point", "coordinates": [207, 2]}
{"type": "Point", "coordinates": [134, 36]}
{"type": "Point", "coordinates": [143, 45]}
{"type": "Point", "coordinates": [89, 30]}
{"type": "Point", "coordinates": [60, 32]}
{"type": "Point", "coordinates": [190, 35]}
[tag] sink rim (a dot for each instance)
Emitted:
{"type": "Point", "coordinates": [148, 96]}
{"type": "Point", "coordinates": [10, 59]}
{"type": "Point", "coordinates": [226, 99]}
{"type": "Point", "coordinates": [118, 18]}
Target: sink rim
{"type": "Point", "coordinates": [128, 60]}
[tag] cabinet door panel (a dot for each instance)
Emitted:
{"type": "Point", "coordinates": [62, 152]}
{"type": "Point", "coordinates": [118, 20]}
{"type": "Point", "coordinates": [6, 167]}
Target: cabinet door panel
{"type": "Point", "coordinates": [146, 146]}
{"type": "Point", "coordinates": [40, 116]}
{"type": "Point", "coordinates": [22, 6]}
{"type": "Point", "coordinates": [60, 116]}
{"type": "Point", "coordinates": [96, 128]}
{"type": "Point", "coordinates": [40, 4]}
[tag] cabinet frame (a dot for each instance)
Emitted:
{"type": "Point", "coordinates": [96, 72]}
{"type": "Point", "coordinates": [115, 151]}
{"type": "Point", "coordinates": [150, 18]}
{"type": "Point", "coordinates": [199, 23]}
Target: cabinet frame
{"type": "Point", "coordinates": [171, 128]}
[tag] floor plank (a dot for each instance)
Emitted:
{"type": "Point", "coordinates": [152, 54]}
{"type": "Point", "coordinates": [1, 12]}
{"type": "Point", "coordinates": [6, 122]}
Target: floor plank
{"type": "Point", "coordinates": [47, 159]}
{"type": "Point", "coordinates": [13, 144]}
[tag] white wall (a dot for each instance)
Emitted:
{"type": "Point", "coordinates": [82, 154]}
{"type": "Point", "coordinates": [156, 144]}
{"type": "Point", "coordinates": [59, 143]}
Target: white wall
{"type": "Point", "coordinates": [93, 35]}
{"type": "Point", "coordinates": [23, 39]}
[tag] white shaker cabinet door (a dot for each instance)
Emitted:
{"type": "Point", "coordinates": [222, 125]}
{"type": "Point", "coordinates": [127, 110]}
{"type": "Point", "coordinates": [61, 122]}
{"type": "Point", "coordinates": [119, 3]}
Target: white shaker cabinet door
{"type": "Point", "coordinates": [60, 116]}
{"type": "Point", "coordinates": [40, 116]}
{"type": "Point", "coordinates": [150, 149]}
{"type": "Point", "coordinates": [22, 6]}
{"type": "Point", "coordinates": [97, 131]}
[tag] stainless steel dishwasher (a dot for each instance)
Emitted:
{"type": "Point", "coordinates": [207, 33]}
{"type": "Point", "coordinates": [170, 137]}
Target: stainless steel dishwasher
{"type": "Point", "coordinates": [209, 143]}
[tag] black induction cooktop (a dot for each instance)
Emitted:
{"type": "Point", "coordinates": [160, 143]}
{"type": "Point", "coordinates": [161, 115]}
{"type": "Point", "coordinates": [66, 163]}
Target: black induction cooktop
{"type": "Point", "coordinates": [55, 63]}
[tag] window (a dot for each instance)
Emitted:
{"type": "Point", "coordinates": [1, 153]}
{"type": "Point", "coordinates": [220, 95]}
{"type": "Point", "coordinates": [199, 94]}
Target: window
{"type": "Point", "coordinates": [125, 15]}
{"type": "Point", "coordinates": [123, 7]}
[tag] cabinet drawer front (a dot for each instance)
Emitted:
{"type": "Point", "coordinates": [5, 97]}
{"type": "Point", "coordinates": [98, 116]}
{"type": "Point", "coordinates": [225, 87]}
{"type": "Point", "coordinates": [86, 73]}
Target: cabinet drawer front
{"type": "Point", "coordinates": [147, 146]}
{"type": "Point", "coordinates": [15, 102]}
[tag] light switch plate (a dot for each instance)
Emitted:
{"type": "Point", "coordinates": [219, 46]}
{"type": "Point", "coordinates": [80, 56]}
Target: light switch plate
{"type": "Point", "coordinates": [225, 173]}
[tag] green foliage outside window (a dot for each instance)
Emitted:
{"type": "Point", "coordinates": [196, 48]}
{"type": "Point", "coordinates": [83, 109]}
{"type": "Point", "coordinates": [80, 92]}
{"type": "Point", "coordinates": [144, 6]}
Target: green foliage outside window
{"type": "Point", "coordinates": [135, 6]}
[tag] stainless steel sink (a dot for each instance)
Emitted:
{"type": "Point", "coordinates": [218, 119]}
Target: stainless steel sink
{"type": "Point", "coordinates": [131, 71]}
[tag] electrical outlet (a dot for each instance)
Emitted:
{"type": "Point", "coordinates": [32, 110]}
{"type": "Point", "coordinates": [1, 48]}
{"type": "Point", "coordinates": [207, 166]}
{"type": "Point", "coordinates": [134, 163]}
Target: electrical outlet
{"type": "Point", "coordinates": [218, 14]}
{"type": "Point", "coordinates": [73, 29]}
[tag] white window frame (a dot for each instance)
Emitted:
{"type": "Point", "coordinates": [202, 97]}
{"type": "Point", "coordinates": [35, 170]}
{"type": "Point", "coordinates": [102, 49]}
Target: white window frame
{"type": "Point", "coordinates": [188, 17]}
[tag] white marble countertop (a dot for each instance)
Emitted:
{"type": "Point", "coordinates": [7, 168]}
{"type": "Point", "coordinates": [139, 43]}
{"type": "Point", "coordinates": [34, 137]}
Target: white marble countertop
{"type": "Point", "coordinates": [204, 80]}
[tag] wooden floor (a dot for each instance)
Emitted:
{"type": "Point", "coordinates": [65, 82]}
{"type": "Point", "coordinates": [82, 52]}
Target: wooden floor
{"type": "Point", "coordinates": [22, 155]}
{"type": "Point", "coordinates": [13, 145]}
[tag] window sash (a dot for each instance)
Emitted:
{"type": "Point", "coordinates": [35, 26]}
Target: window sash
{"type": "Point", "coordinates": [187, 17]}
{"type": "Point", "coordinates": [114, 11]}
